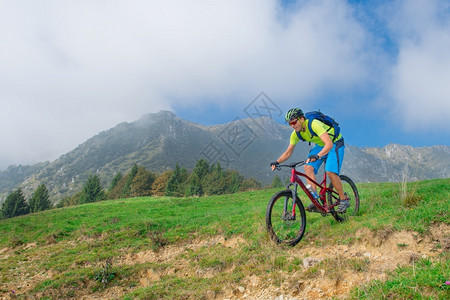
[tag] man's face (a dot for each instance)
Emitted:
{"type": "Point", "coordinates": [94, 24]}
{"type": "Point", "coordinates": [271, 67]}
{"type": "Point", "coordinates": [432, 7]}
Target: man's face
{"type": "Point", "coordinates": [296, 124]}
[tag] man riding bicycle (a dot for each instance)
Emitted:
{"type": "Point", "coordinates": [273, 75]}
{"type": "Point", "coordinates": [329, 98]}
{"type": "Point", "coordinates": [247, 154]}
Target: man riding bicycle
{"type": "Point", "coordinates": [331, 148]}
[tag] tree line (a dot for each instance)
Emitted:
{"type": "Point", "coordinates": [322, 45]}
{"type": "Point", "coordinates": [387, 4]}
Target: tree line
{"type": "Point", "coordinates": [203, 180]}
{"type": "Point", "coordinates": [16, 204]}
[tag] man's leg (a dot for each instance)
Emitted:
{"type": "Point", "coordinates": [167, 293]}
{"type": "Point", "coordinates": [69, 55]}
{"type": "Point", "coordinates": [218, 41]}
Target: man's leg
{"type": "Point", "coordinates": [333, 167]}
{"type": "Point", "coordinates": [309, 171]}
{"type": "Point", "coordinates": [312, 167]}
{"type": "Point", "coordinates": [337, 183]}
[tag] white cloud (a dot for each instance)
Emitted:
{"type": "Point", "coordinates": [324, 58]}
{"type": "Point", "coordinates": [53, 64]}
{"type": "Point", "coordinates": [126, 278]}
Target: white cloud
{"type": "Point", "coordinates": [421, 77]}
{"type": "Point", "coordinates": [69, 69]}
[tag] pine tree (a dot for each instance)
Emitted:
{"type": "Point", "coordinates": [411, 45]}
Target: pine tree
{"type": "Point", "coordinates": [214, 183]}
{"type": "Point", "coordinates": [183, 183]}
{"type": "Point", "coordinates": [92, 190]}
{"type": "Point", "coordinates": [176, 186]}
{"type": "Point", "coordinates": [14, 205]}
{"type": "Point", "coordinates": [126, 189]}
{"type": "Point", "coordinates": [40, 199]}
{"type": "Point", "coordinates": [218, 169]}
{"type": "Point", "coordinates": [201, 169]}
{"type": "Point", "coordinates": [233, 180]}
{"type": "Point", "coordinates": [160, 183]}
{"type": "Point", "coordinates": [115, 180]}
{"type": "Point", "coordinates": [194, 187]}
{"type": "Point", "coordinates": [117, 191]}
{"type": "Point", "coordinates": [142, 183]}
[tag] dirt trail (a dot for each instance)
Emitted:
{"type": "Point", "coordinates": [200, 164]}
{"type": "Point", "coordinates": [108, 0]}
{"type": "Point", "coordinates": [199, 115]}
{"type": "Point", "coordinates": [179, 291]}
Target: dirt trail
{"type": "Point", "coordinates": [379, 253]}
{"type": "Point", "coordinates": [383, 251]}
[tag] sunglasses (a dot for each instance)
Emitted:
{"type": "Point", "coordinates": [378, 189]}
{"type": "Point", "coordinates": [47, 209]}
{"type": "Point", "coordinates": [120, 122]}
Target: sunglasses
{"type": "Point", "coordinates": [293, 122]}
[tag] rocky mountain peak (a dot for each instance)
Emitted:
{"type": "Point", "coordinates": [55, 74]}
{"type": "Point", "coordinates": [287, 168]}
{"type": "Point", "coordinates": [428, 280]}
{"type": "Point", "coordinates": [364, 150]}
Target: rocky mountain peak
{"type": "Point", "coordinates": [159, 141]}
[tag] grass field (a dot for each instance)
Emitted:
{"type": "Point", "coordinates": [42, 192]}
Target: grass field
{"type": "Point", "coordinates": [217, 247]}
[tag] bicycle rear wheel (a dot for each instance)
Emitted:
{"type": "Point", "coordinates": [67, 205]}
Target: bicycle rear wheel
{"type": "Point", "coordinates": [353, 196]}
{"type": "Point", "coordinates": [285, 221]}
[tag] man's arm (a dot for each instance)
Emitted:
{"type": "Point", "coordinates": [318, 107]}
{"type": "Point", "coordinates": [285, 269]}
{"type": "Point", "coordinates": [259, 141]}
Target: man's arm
{"type": "Point", "coordinates": [285, 156]}
{"type": "Point", "coordinates": [326, 148]}
{"type": "Point", "coordinates": [328, 144]}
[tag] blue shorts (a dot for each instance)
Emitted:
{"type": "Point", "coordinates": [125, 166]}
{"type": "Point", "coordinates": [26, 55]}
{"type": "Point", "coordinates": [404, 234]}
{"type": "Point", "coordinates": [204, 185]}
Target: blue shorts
{"type": "Point", "coordinates": [334, 157]}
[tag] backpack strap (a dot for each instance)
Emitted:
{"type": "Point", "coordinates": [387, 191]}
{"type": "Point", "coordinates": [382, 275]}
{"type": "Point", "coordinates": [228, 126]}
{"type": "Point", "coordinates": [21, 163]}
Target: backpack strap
{"type": "Point", "coordinates": [328, 130]}
{"type": "Point", "coordinates": [309, 118]}
{"type": "Point", "coordinates": [337, 130]}
{"type": "Point", "coordinates": [327, 120]}
{"type": "Point", "coordinates": [300, 136]}
{"type": "Point", "coordinates": [317, 115]}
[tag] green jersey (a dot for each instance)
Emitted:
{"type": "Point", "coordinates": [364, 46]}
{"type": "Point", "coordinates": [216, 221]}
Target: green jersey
{"type": "Point", "coordinates": [319, 128]}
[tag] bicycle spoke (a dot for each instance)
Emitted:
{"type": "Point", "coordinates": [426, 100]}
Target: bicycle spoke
{"type": "Point", "coordinates": [285, 221]}
{"type": "Point", "coordinates": [285, 216]}
{"type": "Point", "coordinates": [351, 192]}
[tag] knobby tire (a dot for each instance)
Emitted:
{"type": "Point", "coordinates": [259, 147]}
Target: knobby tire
{"type": "Point", "coordinates": [353, 196]}
{"type": "Point", "coordinates": [282, 226]}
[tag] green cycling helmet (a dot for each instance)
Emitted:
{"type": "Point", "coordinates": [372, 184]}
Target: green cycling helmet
{"type": "Point", "coordinates": [293, 113]}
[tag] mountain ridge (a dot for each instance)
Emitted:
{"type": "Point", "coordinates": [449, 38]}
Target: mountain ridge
{"type": "Point", "coordinates": [160, 140]}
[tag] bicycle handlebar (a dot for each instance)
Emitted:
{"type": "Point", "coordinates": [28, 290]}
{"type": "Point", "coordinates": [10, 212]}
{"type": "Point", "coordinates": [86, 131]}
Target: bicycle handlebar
{"type": "Point", "coordinates": [291, 165]}
{"type": "Point", "coordinates": [296, 164]}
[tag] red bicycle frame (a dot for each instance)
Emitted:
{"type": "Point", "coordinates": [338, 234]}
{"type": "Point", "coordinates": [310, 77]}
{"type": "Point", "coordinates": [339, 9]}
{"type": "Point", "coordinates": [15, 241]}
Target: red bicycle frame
{"type": "Point", "coordinates": [295, 179]}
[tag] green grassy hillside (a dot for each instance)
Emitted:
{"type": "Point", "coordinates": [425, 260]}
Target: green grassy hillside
{"type": "Point", "coordinates": [217, 247]}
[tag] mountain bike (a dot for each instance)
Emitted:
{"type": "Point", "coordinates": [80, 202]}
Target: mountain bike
{"type": "Point", "coordinates": [285, 215]}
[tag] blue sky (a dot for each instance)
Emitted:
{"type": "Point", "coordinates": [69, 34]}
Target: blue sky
{"type": "Point", "coordinates": [367, 109]}
{"type": "Point", "coordinates": [71, 69]}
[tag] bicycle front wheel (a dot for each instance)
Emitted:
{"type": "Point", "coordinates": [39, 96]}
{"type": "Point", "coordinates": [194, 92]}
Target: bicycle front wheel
{"type": "Point", "coordinates": [352, 194]}
{"type": "Point", "coordinates": [285, 218]}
